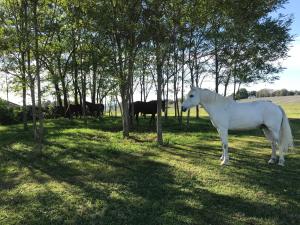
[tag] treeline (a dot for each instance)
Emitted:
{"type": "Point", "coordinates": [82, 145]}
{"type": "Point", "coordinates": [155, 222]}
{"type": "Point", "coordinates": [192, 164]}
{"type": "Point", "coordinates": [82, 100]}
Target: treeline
{"type": "Point", "coordinates": [112, 50]}
{"type": "Point", "coordinates": [273, 93]}
{"type": "Point", "coordinates": [243, 93]}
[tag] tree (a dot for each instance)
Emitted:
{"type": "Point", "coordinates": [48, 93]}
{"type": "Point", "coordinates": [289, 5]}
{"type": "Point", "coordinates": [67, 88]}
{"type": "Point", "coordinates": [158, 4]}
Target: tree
{"type": "Point", "coordinates": [242, 94]}
{"type": "Point", "coordinates": [85, 50]}
{"type": "Point", "coordinates": [121, 24]}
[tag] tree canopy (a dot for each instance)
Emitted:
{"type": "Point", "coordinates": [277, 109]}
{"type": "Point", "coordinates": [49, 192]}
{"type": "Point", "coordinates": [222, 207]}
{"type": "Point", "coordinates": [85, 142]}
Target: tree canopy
{"type": "Point", "coordinates": [116, 49]}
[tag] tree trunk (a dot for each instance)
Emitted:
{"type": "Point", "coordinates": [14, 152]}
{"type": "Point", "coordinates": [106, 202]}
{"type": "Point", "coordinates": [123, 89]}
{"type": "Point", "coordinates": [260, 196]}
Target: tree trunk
{"type": "Point", "coordinates": [176, 105]}
{"type": "Point", "coordinates": [167, 97]}
{"type": "Point", "coordinates": [144, 85]}
{"type": "Point", "coordinates": [58, 95]}
{"type": "Point", "coordinates": [159, 66]}
{"type": "Point", "coordinates": [182, 84]}
{"type": "Point", "coordinates": [37, 75]}
{"type": "Point", "coordinates": [131, 113]}
{"type": "Point", "coordinates": [175, 95]}
{"type": "Point", "coordinates": [31, 78]}
{"type": "Point", "coordinates": [75, 69]}
{"type": "Point", "coordinates": [125, 110]}
{"type": "Point", "coordinates": [24, 90]}
{"type": "Point", "coordinates": [216, 68]}
{"type": "Point", "coordinates": [63, 82]}
{"type": "Point", "coordinates": [116, 106]}
{"type": "Point", "coordinates": [197, 85]}
{"type": "Point", "coordinates": [239, 85]}
{"type": "Point", "coordinates": [193, 81]}
{"type": "Point", "coordinates": [141, 88]}
{"type": "Point", "coordinates": [226, 84]}
{"type": "Point", "coordinates": [32, 81]}
{"type": "Point", "coordinates": [83, 90]}
{"type": "Point", "coordinates": [234, 86]}
{"type": "Point", "coordinates": [93, 94]}
{"type": "Point", "coordinates": [23, 45]}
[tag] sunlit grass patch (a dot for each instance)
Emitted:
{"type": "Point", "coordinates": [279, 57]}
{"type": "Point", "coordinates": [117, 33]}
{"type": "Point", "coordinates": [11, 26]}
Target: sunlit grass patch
{"type": "Point", "coordinates": [90, 175]}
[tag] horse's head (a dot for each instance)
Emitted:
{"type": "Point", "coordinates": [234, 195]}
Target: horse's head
{"type": "Point", "coordinates": [192, 99]}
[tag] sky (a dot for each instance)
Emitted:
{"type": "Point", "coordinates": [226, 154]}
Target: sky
{"type": "Point", "coordinates": [289, 78]}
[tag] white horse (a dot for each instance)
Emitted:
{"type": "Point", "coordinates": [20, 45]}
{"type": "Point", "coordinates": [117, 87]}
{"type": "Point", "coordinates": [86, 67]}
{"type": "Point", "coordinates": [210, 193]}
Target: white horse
{"type": "Point", "coordinates": [226, 114]}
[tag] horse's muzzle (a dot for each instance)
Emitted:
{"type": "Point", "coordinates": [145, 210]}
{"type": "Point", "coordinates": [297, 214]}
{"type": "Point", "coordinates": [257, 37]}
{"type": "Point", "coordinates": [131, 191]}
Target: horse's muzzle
{"type": "Point", "coordinates": [183, 109]}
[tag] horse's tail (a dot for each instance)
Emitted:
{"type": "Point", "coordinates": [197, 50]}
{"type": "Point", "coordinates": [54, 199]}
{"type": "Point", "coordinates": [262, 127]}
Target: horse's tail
{"type": "Point", "coordinates": [286, 137]}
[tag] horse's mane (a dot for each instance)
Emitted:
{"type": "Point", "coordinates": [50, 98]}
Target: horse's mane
{"type": "Point", "coordinates": [217, 97]}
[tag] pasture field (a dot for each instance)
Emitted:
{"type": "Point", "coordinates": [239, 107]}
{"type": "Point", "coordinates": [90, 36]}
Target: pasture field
{"type": "Point", "coordinates": [90, 175]}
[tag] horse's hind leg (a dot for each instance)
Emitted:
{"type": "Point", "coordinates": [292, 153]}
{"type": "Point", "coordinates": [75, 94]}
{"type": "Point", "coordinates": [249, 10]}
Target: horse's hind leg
{"type": "Point", "coordinates": [224, 138]}
{"type": "Point", "coordinates": [270, 137]}
{"type": "Point", "coordinates": [281, 151]}
{"type": "Point", "coordinates": [281, 157]}
{"type": "Point", "coordinates": [276, 135]}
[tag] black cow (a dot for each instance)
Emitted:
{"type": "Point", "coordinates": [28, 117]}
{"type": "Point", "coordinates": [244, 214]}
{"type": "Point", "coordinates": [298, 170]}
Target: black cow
{"type": "Point", "coordinates": [95, 109]}
{"type": "Point", "coordinates": [145, 108]}
{"type": "Point", "coordinates": [57, 111]}
{"type": "Point", "coordinates": [73, 109]}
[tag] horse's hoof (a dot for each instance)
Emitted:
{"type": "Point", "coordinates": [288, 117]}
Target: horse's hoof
{"type": "Point", "coordinates": [272, 161]}
{"type": "Point", "coordinates": [281, 162]}
{"type": "Point", "coordinates": [224, 162]}
{"type": "Point", "coordinates": [221, 158]}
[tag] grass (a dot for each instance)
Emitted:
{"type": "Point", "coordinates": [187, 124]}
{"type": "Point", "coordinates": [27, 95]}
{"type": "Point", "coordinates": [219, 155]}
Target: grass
{"type": "Point", "coordinates": [90, 175]}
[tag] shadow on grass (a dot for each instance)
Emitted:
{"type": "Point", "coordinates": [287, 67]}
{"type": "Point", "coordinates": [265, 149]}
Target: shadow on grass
{"type": "Point", "coordinates": [135, 190]}
{"type": "Point", "coordinates": [107, 185]}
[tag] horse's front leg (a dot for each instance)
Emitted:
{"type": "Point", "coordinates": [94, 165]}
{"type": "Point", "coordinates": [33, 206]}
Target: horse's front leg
{"type": "Point", "coordinates": [224, 138]}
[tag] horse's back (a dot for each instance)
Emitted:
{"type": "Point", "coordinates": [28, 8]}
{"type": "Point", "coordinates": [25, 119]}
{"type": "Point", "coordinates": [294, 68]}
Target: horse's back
{"type": "Point", "coordinates": [251, 115]}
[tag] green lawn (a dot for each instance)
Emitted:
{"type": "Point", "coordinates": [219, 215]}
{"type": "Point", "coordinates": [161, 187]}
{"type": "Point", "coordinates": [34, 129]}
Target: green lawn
{"type": "Point", "coordinates": [90, 175]}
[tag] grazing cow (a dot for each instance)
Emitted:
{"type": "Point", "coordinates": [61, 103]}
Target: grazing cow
{"type": "Point", "coordinates": [57, 111]}
{"type": "Point", "coordinates": [146, 108]}
{"type": "Point", "coordinates": [73, 110]}
{"type": "Point", "coordinates": [95, 109]}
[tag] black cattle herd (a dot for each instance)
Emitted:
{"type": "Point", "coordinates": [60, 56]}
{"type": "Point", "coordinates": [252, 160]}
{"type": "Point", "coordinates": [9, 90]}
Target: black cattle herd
{"type": "Point", "coordinates": [72, 110]}
{"type": "Point", "coordinates": [97, 110]}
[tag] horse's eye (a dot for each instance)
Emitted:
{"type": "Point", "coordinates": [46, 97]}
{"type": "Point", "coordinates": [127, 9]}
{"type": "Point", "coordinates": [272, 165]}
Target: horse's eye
{"type": "Point", "coordinates": [191, 96]}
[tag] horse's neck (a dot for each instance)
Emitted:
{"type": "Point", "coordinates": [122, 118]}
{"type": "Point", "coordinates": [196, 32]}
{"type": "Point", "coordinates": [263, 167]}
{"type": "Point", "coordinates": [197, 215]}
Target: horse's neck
{"type": "Point", "coordinates": [213, 106]}
{"type": "Point", "coordinates": [209, 108]}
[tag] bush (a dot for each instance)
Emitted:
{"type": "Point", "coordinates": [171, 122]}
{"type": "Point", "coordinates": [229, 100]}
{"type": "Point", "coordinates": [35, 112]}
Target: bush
{"type": "Point", "coordinates": [284, 92]}
{"type": "Point", "coordinates": [252, 93]}
{"type": "Point", "coordinates": [242, 94]}
{"type": "Point", "coordinates": [264, 93]}
{"type": "Point", "coordinates": [291, 93]}
{"type": "Point", "coordinates": [276, 93]}
{"type": "Point", "coordinates": [8, 115]}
